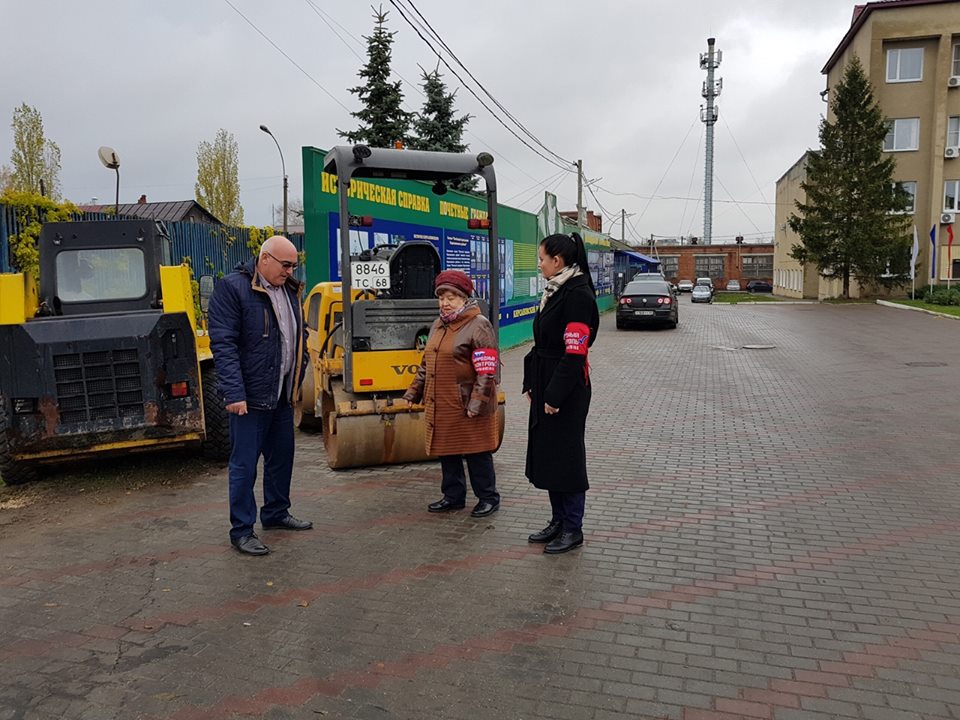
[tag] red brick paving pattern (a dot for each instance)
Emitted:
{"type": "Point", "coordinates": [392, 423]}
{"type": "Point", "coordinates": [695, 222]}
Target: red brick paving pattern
{"type": "Point", "coordinates": [725, 569]}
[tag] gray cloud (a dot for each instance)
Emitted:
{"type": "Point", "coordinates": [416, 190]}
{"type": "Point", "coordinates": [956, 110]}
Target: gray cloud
{"type": "Point", "coordinates": [614, 83]}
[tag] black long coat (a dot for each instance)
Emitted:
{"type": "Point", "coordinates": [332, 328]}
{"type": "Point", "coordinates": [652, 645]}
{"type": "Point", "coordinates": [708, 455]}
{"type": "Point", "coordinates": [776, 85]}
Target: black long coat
{"type": "Point", "coordinates": [555, 372]}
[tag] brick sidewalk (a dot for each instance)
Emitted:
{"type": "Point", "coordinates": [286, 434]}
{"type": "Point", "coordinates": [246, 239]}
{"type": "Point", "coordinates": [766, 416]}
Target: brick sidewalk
{"type": "Point", "coordinates": [770, 534]}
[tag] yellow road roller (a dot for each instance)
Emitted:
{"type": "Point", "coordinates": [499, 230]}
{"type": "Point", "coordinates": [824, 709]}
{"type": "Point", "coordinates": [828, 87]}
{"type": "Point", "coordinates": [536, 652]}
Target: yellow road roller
{"type": "Point", "coordinates": [365, 345]}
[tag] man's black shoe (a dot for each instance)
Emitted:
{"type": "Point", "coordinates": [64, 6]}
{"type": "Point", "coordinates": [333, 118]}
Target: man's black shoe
{"type": "Point", "coordinates": [250, 545]}
{"type": "Point", "coordinates": [289, 523]}
{"type": "Point", "coordinates": [567, 541]}
{"type": "Point", "coordinates": [445, 506]}
{"type": "Point", "coordinates": [484, 508]}
{"type": "Point", "coordinates": [547, 534]}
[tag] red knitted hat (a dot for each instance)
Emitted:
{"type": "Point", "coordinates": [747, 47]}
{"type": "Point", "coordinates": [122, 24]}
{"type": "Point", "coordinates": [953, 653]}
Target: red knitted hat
{"type": "Point", "coordinates": [455, 280]}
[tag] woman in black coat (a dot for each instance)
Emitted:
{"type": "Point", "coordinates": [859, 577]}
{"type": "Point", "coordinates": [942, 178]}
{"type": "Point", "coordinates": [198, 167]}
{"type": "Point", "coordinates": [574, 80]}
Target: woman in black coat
{"type": "Point", "coordinates": [556, 380]}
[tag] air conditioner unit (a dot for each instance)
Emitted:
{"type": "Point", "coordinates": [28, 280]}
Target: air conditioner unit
{"type": "Point", "coordinates": [954, 81]}
{"type": "Point", "coordinates": [951, 152]}
{"type": "Point", "coordinates": [948, 218]}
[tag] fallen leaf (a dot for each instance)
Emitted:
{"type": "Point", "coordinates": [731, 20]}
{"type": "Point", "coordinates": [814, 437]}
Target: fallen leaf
{"type": "Point", "coordinates": [303, 603]}
{"type": "Point", "coordinates": [148, 627]}
{"type": "Point", "coordinates": [51, 605]}
{"type": "Point", "coordinates": [165, 590]}
{"type": "Point", "coordinates": [269, 583]}
{"type": "Point", "coordinates": [247, 624]}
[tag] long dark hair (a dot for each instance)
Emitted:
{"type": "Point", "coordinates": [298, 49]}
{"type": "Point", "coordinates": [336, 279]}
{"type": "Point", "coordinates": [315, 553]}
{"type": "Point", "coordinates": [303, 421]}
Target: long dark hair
{"type": "Point", "coordinates": [571, 249]}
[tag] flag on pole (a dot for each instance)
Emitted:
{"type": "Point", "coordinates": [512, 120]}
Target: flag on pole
{"type": "Point", "coordinates": [914, 253]}
{"type": "Point", "coordinates": [949, 252]}
{"type": "Point", "coordinates": [933, 252]}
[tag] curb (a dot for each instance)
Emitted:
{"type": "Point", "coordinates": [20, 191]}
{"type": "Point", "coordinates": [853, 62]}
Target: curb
{"type": "Point", "coordinates": [887, 303]}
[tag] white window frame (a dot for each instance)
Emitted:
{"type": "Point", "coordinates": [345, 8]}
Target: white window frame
{"type": "Point", "coordinates": [951, 187]}
{"type": "Point", "coordinates": [956, 59]}
{"type": "Point", "coordinates": [911, 187]}
{"type": "Point", "coordinates": [892, 134]}
{"type": "Point", "coordinates": [953, 130]}
{"type": "Point", "coordinates": [894, 63]}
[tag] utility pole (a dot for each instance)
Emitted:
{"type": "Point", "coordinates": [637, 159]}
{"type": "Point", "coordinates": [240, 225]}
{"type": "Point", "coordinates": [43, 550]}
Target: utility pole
{"type": "Point", "coordinates": [580, 197]}
{"type": "Point", "coordinates": [709, 61]}
{"type": "Point", "coordinates": [623, 226]}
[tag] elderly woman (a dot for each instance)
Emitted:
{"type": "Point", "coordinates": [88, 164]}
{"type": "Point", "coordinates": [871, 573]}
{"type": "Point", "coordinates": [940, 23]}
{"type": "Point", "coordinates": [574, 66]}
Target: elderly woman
{"type": "Point", "coordinates": [457, 383]}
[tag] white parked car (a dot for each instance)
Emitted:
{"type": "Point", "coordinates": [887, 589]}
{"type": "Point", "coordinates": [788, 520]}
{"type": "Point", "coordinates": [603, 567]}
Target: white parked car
{"type": "Point", "coordinates": [701, 294]}
{"type": "Point", "coordinates": [685, 286]}
{"type": "Point", "coordinates": [733, 285]}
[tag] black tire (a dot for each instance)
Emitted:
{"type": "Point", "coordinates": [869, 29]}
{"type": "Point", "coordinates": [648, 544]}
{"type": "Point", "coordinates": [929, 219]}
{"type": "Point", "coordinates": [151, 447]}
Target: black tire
{"type": "Point", "coordinates": [310, 424]}
{"type": "Point", "coordinates": [12, 472]}
{"type": "Point", "coordinates": [621, 325]}
{"type": "Point", "coordinates": [216, 419]}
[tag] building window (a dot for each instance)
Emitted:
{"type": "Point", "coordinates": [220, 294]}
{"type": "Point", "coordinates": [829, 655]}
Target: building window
{"type": "Point", "coordinates": [953, 130]}
{"type": "Point", "coordinates": [905, 65]}
{"type": "Point", "coordinates": [910, 186]}
{"type": "Point", "coordinates": [670, 265]}
{"type": "Point", "coordinates": [902, 134]}
{"type": "Point", "coordinates": [956, 59]}
{"type": "Point", "coordinates": [951, 190]}
{"type": "Point", "coordinates": [756, 266]}
{"type": "Point", "coordinates": [710, 266]}
{"type": "Point", "coordinates": [955, 270]}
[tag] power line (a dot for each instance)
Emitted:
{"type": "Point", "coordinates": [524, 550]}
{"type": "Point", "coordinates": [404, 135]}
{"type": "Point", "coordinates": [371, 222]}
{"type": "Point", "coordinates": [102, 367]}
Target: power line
{"type": "Point", "coordinates": [333, 29]}
{"type": "Point", "coordinates": [538, 184]}
{"type": "Point", "coordinates": [415, 87]}
{"type": "Point", "coordinates": [472, 91]}
{"type": "Point", "coordinates": [486, 92]}
{"type": "Point", "coordinates": [294, 62]}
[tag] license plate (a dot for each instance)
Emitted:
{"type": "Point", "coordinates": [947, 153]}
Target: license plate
{"type": "Point", "coordinates": [370, 274]}
{"type": "Point", "coordinates": [643, 312]}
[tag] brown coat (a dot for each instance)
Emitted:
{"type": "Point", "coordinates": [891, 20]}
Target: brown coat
{"type": "Point", "coordinates": [449, 386]}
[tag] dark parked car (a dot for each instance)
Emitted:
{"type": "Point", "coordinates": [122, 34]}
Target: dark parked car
{"type": "Point", "coordinates": [759, 286]}
{"type": "Point", "coordinates": [647, 301]}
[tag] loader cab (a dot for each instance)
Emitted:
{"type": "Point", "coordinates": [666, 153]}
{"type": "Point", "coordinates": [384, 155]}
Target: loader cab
{"type": "Point", "coordinates": [103, 266]}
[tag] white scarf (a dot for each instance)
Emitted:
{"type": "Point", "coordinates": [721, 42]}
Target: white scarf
{"type": "Point", "coordinates": [554, 283]}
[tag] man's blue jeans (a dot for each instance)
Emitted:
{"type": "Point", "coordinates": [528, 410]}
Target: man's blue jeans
{"type": "Point", "coordinates": [268, 433]}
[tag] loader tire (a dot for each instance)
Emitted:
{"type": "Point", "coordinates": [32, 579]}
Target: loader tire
{"type": "Point", "coordinates": [216, 419]}
{"type": "Point", "coordinates": [12, 472]}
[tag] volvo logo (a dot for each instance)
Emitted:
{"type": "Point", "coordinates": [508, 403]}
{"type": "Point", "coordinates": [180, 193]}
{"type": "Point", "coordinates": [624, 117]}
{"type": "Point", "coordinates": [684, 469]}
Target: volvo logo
{"type": "Point", "coordinates": [405, 369]}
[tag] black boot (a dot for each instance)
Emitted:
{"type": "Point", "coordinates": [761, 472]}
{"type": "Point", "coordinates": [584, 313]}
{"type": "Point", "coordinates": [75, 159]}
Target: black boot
{"type": "Point", "coordinates": [547, 534]}
{"type": "Point", "coordinates": [566, 541]}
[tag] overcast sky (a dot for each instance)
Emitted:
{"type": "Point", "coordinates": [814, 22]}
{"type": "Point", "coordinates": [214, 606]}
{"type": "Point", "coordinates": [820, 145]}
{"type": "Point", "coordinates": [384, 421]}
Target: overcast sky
{"type": "Point", "coordinates": [615, 83]}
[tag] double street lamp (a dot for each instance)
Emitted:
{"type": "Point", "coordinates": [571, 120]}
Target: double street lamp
{"type": "Point", "coordinates": [284, 168]}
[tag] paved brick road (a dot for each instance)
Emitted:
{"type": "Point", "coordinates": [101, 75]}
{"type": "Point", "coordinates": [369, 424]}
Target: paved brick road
{"type": "Point", "coordinates": [770, 534]}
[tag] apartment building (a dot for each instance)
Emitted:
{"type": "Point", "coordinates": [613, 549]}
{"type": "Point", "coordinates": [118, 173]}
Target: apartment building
{"type": "Point", "coordinates": [910, 50]}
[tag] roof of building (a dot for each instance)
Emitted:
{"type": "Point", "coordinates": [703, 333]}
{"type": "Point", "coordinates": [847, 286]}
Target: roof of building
{"type": "Point", "coordinates": [860, 15]}
{"type": "Point", "coordinates": [167, 211]}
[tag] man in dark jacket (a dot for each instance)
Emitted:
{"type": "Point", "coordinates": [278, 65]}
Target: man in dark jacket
{"type": "Point", "coordinates": [259, 350]}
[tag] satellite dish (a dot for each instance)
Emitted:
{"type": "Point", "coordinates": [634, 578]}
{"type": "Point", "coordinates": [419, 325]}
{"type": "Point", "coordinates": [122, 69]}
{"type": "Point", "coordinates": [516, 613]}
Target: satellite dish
{"type": "Point", "coordinates": [109, 158]}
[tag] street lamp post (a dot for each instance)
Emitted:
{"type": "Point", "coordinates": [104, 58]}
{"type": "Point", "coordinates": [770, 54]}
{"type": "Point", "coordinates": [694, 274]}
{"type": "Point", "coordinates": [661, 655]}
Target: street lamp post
{"type": "Point", "coordinates": [111, 161]}
{"type": "Point", "coordinates": [284, 168]}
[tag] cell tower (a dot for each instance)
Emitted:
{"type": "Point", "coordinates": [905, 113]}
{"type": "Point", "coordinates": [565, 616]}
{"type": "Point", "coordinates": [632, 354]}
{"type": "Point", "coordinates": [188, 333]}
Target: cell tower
{"type": "Point", "coordinates": [709, 61]}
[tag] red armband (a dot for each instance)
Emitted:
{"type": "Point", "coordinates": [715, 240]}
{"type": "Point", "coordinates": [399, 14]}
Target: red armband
{"type": "Point", "coordinates": [576, 338]}
{"type": "Point", "coordinates": [485, 361]}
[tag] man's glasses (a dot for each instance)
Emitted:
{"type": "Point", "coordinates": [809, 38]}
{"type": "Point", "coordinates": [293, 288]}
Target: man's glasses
{"type": "Point", "coordinates": [283, 263]}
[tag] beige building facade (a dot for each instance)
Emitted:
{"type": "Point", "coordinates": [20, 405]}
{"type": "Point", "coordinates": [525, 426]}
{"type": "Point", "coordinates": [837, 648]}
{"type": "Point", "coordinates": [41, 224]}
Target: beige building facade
{"type": "Point", "coordinates": [910, 50]}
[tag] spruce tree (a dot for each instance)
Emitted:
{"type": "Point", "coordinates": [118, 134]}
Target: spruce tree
{"type": "Point", "coordinates": [852, 223]}
{"type": "Point", "coordinates": [436, 126]}
{"type": "Point", "coordinates": [383, 121]}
